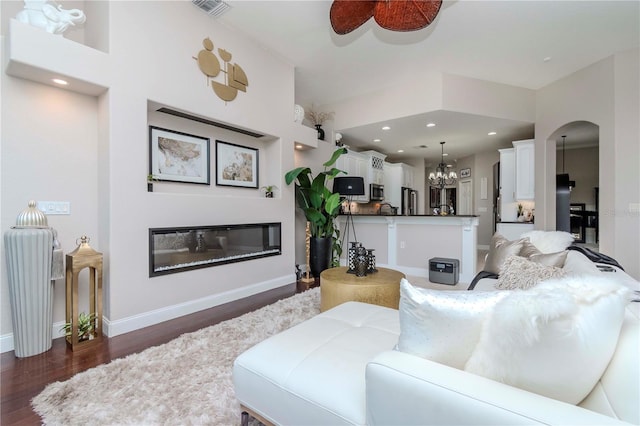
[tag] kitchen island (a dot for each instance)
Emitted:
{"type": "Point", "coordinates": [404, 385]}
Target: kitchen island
{"type": "Point", "coordinates": [406, 243]}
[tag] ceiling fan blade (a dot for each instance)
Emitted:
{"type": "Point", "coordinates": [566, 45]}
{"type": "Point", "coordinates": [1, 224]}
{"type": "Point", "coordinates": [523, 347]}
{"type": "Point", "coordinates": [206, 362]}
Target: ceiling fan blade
{"type": "Point", "coordinates": [406, 15]}
{"type": "Point", "coordinates": [347, 15]}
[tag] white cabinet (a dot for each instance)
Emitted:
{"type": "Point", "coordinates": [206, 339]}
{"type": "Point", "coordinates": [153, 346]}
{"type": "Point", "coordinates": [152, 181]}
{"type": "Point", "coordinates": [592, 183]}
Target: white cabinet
{"type": "Point", "coordinates": [396, 176]}
{"type": "Point", "coordinates": [367, 164]}
{"type": "Point", "coordinates": [508, 206]}
{"type": "Point", "coordinates": [355, 164]}
{"type": "Point", "coordinates": [524, 169]}
{"type": "Point", "coordinates": [375, 164]}
{"type": "Point", "coordinates": [407, 175]}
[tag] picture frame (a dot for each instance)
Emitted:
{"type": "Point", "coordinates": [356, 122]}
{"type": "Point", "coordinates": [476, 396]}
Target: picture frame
{"type": "Point", "coordinates": [465, 173]}
{"type": "Point", "coordinates": [236, 165]}
{"type": "Point", "coordinates": [178, 157]}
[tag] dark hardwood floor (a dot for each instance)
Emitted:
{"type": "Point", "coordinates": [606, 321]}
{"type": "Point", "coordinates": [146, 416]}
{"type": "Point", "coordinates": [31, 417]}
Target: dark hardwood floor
{"type": "Point", "coordinates": [23, 378]}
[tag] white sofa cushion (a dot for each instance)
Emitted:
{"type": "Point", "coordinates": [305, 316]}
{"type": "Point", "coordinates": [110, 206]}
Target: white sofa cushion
{"type": "Point", "coordinates": [577, 263]}
{"type": "Point", "coordinates": [555, 339]}
{"type": "Point", "coordinates": [314, 373]}
{"type": "Point", "coordinates": [443, 326]}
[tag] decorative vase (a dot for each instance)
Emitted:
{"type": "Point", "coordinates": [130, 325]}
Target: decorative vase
{"type": "Point", "coordinates": [149, 187]}
{"type": "Point", "coordinates": [371, 262]}
{"type": "Point", "coordinates": [268, 194]}
{"type": "Point", "coordinates": [298, 113]}
{"type": "Point", "coordinates": [351, 257]}
{"type": "Point", "coordinates": [360, 263]}
{"type": "Point", "coordinates": [320, 254]}
{"type": "Point", "coordinates": [320, 131]}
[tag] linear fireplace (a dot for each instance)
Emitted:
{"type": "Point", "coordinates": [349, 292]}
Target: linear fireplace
{"type": "Point", "coordinates": [181, 249]}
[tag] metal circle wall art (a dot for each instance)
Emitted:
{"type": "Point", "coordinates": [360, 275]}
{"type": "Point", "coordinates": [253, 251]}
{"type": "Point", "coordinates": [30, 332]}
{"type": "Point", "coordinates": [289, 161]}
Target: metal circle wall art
{"type": "Point", "coordinates": [235, 77]}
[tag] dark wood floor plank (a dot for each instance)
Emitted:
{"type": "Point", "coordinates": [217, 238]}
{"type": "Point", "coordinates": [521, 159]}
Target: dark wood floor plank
{"type": "Point", "coordinates": [23, 378]}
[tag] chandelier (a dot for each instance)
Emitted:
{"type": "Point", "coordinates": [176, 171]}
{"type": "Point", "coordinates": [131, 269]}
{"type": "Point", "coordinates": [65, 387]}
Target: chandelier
{"type": "Point", "coordinates": [441, 178]}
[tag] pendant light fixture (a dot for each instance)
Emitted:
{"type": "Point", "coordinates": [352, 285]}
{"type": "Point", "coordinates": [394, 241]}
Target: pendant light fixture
{"type": "Point", "coordinates": [572, 183]}
{"type": "Point", "coordinates": [441, 178]}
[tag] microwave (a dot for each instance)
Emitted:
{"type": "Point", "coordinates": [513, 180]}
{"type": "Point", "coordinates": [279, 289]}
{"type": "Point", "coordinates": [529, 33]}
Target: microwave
{"type": "Point", "coordinates": [376, 192]}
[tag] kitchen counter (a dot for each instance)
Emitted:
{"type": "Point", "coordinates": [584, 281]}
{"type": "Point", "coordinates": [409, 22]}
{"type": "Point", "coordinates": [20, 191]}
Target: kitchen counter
{"type": "Point", "coordinates": [406, 243]}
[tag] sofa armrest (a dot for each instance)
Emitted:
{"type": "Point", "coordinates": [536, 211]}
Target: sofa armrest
{"type": "Point", "coordinates": [409, 390]}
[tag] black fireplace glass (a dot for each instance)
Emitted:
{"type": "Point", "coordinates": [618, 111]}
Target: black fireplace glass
{"type": "Point", "coordinates": [181, 249]}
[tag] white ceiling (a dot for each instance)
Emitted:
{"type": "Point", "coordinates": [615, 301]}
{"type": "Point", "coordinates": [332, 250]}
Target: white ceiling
{"type": "Point", "coordinates": [501, 41]}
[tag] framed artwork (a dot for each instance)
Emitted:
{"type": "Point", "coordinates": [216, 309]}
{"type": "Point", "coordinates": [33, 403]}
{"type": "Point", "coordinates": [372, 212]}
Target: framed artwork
{"type": "Point", "coordinates": [179, 157]}
{"type": "Point", "coordinates": [465, 173]}
{"type": "Point", "coordinates": [236, 165]}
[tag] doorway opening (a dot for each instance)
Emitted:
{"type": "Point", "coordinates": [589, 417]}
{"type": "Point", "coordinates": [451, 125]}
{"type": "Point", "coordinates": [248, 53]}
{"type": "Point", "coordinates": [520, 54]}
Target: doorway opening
{"type": "Point", "coordinates": [577, 181]}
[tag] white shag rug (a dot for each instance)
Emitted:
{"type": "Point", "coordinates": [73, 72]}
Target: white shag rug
{"type": "Point", "coordinates": [186, 381]}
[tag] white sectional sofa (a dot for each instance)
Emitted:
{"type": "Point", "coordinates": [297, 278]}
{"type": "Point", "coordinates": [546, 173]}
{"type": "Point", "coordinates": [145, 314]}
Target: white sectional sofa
{"type": "Point", "coordinates": [340, 368]}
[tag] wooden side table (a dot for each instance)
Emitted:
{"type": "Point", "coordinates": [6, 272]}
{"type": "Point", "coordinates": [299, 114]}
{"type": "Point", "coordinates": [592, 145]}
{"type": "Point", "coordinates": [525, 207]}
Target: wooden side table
{"type": "Point", "coordinates": [380, 288]}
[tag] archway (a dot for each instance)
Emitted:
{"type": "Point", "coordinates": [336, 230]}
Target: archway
{"type": "Point", "coordinates": [577, 165]}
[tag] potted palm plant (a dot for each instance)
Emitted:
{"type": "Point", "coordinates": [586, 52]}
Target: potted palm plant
{"type": "Point", "coordinates": [321, 207]}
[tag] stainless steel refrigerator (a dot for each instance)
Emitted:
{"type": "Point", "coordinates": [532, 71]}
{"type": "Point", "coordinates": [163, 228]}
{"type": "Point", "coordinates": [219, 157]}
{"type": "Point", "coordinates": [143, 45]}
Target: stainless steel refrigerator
{"type": "Point", "coordinates": [409, 202]}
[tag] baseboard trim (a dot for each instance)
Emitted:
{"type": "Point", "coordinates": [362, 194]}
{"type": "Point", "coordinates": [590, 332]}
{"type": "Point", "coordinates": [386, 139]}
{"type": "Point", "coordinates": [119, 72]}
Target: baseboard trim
{"type": "Point", "coordinates": [146, 319]}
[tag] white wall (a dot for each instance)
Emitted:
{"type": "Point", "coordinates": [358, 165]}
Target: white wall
{"type": "Point", "coordinates": [93, 151]}
{"type": "Point", "coordinates": [483, 165]}
{"type": "Point", "coordinates": [606, 94]}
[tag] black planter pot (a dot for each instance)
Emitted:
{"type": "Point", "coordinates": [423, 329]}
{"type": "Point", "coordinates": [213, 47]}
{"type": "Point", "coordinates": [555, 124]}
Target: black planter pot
{"type": "Point", "coordinates": [320, 132]}
{"type": "Point", "coordinates": [319, 254]}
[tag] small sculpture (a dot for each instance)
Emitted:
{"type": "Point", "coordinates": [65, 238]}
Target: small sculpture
{"type": "Point", "coordinates": [54, 20]}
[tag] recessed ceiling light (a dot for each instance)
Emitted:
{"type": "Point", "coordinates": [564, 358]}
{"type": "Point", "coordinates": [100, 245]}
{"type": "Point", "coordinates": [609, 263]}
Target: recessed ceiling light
{"type": "Point", "coordinates": [298, 146]}
{"type": "Point", "coordinates": [59, 81]}
{"type": "Point", "coordinates": [491, 133]}
{"type": "Point", "coordinates": [445, 154]}
{"type": "Point", "coordinates": [386, 128]}
{"type": "Point", "coordinates": [431, 125]}
{"type": "Point", "coordinates": [401, 150]}
{"type": "Point", "coordinates": [376, 140]}
{"type": "Point", "coordinates": [547, 59]}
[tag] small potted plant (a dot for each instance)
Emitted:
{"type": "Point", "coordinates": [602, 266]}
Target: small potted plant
{"type": "Point", "coordinates": [317, 118]}
{"type": "Point", "coordinates": [268, 190]}
{"type": "Point", "coordinates": [150, 179]}
{"type": "Point", "coordinates": [85, 326]}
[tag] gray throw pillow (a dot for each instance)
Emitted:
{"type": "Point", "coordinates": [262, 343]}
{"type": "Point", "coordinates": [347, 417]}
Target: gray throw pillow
{"type": "Point", "coordinates": [499, 249]}
{"type": "Point", "coordinates": [550, 259]}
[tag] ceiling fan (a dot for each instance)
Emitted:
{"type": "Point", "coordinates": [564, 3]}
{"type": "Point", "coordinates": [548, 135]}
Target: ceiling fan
{"type": "Point", "coordinates": [394, 15]}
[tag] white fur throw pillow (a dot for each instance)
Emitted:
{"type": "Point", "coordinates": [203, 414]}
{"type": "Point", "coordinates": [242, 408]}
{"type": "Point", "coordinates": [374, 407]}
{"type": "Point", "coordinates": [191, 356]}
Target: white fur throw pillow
{"type": "Point", "coordinates": [520, 273]}
{"type": "Point", "coordinates": [443, 326]}
{"type": "Point", "coordinates": [549, 241]}
{"type": "Point", "coordinates": [555, 339]}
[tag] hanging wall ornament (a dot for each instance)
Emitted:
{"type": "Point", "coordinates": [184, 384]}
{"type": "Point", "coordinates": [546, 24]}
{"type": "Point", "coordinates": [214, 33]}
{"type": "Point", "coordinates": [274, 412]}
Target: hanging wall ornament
{"type": "Point", "coordinates": [235, 78]}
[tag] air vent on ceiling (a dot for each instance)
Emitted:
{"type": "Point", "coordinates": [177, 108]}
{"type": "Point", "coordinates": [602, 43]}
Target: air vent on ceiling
{"type": "Point", "coordinates": [212, 7]}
